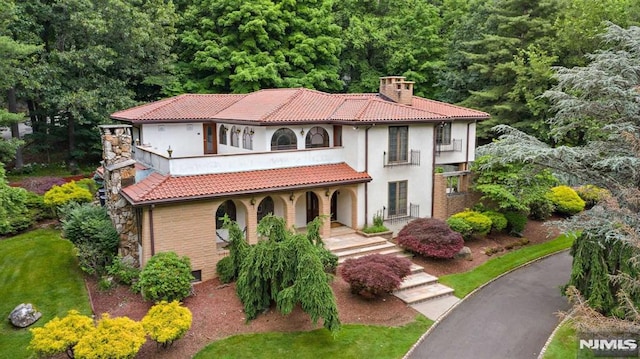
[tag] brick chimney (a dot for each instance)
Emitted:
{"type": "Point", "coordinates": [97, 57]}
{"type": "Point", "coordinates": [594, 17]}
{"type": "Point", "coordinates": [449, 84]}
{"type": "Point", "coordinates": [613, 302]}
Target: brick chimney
{"type": "Point", "coordinates": [396, 89]}
{"type": "Point", "coordinates": [119, 171]}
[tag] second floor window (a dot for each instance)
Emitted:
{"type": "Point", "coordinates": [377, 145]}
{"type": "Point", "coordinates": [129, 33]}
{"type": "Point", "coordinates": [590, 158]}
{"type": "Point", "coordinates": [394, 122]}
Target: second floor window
{"type": "Point", "coordinates": [247, 138]}
{"type": "Point", "coordinates": [317, 137]}
{"type": "Point", "coordinates": [284, 139]}
{"type": "Point", "coordinates": [398, 143]}
{"type": "Point", "coordinates": [443, 133]}
{"type": "Point", "coordinates": [223, 135]}
{"type": "Point", "coordinates": [235, 136]}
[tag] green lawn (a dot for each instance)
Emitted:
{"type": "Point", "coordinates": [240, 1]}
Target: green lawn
{"type": "Point", "coordinates": [353, 341]}
{"type": "Point", "coordinates": [465, 283]}
{"type": "Point", "coordinates": [37, 267]}
{"type": "Point", "coordinates": [564, 343]}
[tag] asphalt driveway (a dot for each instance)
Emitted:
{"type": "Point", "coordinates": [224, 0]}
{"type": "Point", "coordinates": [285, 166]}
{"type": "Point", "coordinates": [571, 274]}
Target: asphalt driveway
{"type": "Point", "coordinates": [509, 318]}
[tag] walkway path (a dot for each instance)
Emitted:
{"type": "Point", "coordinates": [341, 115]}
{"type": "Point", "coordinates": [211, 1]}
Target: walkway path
{"type": "Point", "coordinates": [509, 318]}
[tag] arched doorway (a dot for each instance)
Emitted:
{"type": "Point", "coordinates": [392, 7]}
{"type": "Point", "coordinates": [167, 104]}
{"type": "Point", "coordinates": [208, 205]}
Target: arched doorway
{"type": "Point", "coordinates": [228, 208]}
{"type": "Point", "coordinates": [265, 207]}
{"type": "Point", "coordinates": [334, 206]}
{"type": "Point", "coordinates": [313, 206]}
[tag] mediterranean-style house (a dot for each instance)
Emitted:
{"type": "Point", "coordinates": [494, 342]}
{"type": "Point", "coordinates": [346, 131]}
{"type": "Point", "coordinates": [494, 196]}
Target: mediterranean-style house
{"type": "Point", "coordinates": [173, 167]}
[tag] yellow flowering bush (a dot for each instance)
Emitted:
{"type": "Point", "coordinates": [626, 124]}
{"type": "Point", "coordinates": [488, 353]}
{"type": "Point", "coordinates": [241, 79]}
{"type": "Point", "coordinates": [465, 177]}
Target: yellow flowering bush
{"type": "Point", "coordinates": [113, 338]}
{"type": "Point", "coordinates": [60, 335]}
{"type": "Point", "coordinates": [167, 322]}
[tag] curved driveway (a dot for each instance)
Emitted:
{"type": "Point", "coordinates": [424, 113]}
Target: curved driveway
{"type": "Point", "coordinates": [511, 317]}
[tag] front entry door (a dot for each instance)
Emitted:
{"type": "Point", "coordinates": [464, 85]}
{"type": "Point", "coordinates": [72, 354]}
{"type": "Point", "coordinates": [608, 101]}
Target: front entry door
{"type": "Point", "coordinates": [209, 137]}
{"type": "Point", "coordinates": [313, 206]}
{"type": "Point", "coordinates": [334, 206]}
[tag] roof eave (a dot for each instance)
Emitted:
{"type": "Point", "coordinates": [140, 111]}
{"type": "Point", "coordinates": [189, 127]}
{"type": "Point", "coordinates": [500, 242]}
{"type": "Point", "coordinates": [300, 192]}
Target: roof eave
{"type": "Point", "coordinates": [239, 193]}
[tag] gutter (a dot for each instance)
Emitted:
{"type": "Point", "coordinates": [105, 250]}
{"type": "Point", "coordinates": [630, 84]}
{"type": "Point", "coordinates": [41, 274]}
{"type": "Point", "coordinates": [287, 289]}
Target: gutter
{"type": "Point", "coordinates": [433, 168]}
{"type": "Point", "coordinates": [366, 170]}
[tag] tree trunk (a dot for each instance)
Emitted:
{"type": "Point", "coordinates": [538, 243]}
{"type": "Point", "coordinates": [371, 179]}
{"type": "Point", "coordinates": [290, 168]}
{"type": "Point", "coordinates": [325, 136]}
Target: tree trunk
{"type": "Point", "coordinates": [15, 127]}
{"type": "Point", "coordinates": [71, 134]}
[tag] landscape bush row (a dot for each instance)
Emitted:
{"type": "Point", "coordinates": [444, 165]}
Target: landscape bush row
{"type": "Point", "coordinates": [115, 338]}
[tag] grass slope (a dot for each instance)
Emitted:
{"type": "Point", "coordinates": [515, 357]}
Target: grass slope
{"type": "Point", "coordinates": [40, 268]}
{"type": "Point", "coordinates": [353, 341]}
{"type": "Point", "coordinates": [564, 343]}
{"type": "Point", "coordinates": [465, 283]}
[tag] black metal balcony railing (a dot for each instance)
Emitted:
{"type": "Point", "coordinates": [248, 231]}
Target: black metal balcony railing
{"type": "Point", "coordinates": [400, 214]}
{"type": "Point", "coordinates": [412, 160]}
{"type": "Point", "coordinates": [454, 146]}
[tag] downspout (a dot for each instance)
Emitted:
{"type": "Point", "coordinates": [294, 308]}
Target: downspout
{"type": "Point", "coordinates": [433, 169]}
{"type": "Point", "coordinates": [366, 169]}
{"type": "Point", "coordinates": [466, 158]}
{"type": "Point", "coordinates": [151, 232]}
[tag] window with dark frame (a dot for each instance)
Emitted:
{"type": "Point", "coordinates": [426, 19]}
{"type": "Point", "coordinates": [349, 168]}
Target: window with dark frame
{"type": "Point", "coordinates": [317, 137]}
{"type": "Point", "coordinates": [223, 135]}
{"type": "Point", "coordinates": [284, 139]}
{"type": "Point", "coordinates": [235, 136]}
{"type": "Point", "coordinates": [398, 143]}
{"type": "Point", "coordinates": [443, 133]}
{"type": "Point", "coordinates": [398, 198]}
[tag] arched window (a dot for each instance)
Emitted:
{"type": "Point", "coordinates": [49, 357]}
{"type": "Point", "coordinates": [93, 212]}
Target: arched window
{"type": "Point", "coordinates": [228, 208]}
{"type": "Point", "coordinates": [284, 139]}
{"type": "Point", "coordinates": [223, 135]}
{"type": "Point", "coordinates": [317, 137]}
{"type": "Point", "coordinates": [235, 136]}
{"type": "Point", "coordinates": [247, 138]}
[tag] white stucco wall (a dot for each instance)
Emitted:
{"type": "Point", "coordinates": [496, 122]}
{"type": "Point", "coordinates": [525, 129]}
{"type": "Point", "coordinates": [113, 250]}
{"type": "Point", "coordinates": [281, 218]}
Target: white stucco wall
{"type": "Point", "coordinates": [185, 139]}
{"type": "Point", "coordinates": [466, 150]}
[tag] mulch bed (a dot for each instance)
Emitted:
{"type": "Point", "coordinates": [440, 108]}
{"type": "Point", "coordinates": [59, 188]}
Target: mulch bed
{"type": "Point", "coordinates": [217, 311]}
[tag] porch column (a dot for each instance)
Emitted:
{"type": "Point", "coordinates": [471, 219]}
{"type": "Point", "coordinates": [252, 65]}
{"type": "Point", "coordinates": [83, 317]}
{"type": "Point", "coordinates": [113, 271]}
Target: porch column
{"type": "Point", "coordinates": [324, 197]}
{"type": "Point", "coordinates": [289, 200]}
{"type": "Point", "coordinates": [251, 220]}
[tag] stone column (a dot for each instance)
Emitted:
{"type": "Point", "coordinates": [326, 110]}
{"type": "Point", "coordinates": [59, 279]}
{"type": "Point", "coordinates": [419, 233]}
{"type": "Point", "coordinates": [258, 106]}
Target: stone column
{"type": "Point", "coordinates": [119, 172]}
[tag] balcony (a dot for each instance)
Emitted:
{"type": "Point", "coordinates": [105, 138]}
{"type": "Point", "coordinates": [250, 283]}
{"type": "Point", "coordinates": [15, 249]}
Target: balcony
{"type": "Point", "coordinates": [237, 162]}
{"type": "Point", "coordinates": [454, 146]}
{"type": "Point", "coordinates": [412, 160]}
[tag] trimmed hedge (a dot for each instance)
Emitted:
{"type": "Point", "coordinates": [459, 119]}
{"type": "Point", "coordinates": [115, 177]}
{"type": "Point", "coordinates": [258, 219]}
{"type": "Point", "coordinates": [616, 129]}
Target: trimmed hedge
{"type": "Point", "coordinates": [498, 220]}
{"type": "Point", "coordinates": [480, 223]}
{"type": "Point", "coordinates": [389, 273]}
{"type": "Point", "coordinates": [166, 277]}
{"type": "Point", "coordinates": [516, 222]}
{"type": "Point", "coordinates": [566, 200]}
{"type": "Point", "coordinates": [430, 237]}
{"type": "Point", "coordinates": [461, 226]}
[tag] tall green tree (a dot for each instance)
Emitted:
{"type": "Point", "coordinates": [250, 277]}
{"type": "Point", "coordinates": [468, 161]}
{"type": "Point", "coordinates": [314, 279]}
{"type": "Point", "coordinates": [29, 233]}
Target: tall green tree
{"type": "Point", "coordinates": [500, 61]}
{"type": "Point", "coordinates": [242, 46]}
{"type": "Point", "coordinates": [384, 38]}
{"type": "Point", "coordinates": [599, 104]}
{"type": "Point", "coordinates": [98, 56]}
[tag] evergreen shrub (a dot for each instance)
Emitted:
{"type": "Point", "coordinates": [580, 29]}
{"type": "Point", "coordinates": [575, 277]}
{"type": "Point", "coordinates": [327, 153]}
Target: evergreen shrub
{"type": "Point", "coordinates": [480, 223]}
{"type": "Point", "coordinates": [592, 194]}
{"type": "Point", "coordinates": [167, 322]}
{"type": "Point", "coordinates": [165, 277]}
{"type": "Point", "coordinates": [516, 222]}
{"type": "Point", "coordinates": [498, 220]}
{"type": "Point", "coordinates": [90, 229]}
{"type": "Point", "coordinates": [60, 335]}
{"type": "Point", "coordinates": [68, 192]}
{"type": "Point", "coordinates": [461, 226]}
{"type": "Point", "coordinates": [113, 338]}
{"type": "Point", "coordinates": [225, 270]}
{"type": "Point", "coordinates": [389, 273]}
{"type": "Point", "coordinates": [123, 271]}
{"type": "Point", "coordinates": [430, 237]}
{"type": "Point", "coordinates": [566, 200]}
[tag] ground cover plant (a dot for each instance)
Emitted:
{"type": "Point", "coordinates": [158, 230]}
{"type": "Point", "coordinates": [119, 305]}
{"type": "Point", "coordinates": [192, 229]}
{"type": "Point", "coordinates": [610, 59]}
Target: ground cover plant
{"type": "Point", "coordinates": [38, 267]}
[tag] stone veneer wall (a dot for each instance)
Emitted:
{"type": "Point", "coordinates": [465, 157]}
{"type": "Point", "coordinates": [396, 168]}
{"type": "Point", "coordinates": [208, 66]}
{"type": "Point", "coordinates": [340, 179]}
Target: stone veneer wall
{"type": "Point", "coordinates": [119, 171]}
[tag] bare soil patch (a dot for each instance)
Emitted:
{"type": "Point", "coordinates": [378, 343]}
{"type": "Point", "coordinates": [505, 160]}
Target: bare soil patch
{"type": "Point", "coordinates": [217, 311]}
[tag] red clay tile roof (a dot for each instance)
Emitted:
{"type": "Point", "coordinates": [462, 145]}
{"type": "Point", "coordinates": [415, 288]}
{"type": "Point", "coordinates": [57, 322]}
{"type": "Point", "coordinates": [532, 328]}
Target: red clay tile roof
{"type": "Point", "coordinates": [158, 188]}
{"type": "Point", "coordinates": [182, 107]}
{"type": "Point", "coordinates": [299, 105]}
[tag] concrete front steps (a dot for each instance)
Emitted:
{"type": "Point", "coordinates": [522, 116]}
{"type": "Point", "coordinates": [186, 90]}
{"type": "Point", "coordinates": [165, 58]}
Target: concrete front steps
{"type": "Point", "coordinates": [420, 290]}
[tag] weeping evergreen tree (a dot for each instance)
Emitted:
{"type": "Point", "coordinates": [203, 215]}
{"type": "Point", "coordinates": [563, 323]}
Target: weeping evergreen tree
{"type": "Point", "coordinates": [285, 268]}
{"type": "Point", "coordinates": [597, 107]}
